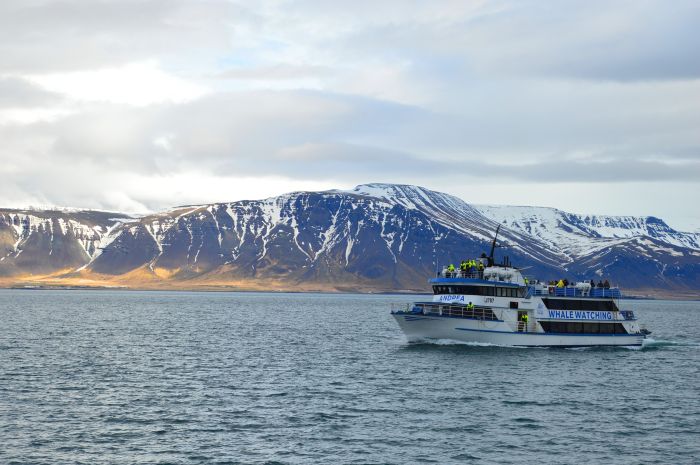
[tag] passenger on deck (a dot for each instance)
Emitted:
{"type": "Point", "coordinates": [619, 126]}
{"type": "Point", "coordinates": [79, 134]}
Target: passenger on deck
{"type": "Point", "coordinates": [450, 270]}
{"type": "Point", "coordinates": [481, 270]}
{"type": "Point", "coordinates": [524, 319]}
{"type": "Point", "coordinates": [463, 268]}
{"type": "Point", "coordinates": [566, 282]}
{"type": "Point", "coordinates": [470, 306]}
{"type": "Point", "coordinates": [606, 284]}
{"type": "Point", "coordinates": [560, 283]}
{"type": "Point", "coordinates": [600, 284]}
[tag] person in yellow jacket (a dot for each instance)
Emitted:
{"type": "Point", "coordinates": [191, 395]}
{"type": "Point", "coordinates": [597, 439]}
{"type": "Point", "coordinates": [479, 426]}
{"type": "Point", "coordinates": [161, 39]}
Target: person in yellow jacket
{"type": "Point", "coordinates": [560, 283]}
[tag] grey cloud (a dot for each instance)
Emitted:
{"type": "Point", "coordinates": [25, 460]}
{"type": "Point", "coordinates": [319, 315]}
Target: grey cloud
{"type": "Point", "coordinates": [599, 40]}
{"type": "Point", "coordinates": [621, 41]}
{"type": "Point", "coordinates": [71, 34]}
{"type": "Point", "coordinates": [586, 92]}
{"type": "Point", "coordinates": [281, 71]}
{"type": "Point", "coordinates": [16, 92]}
{"type": "Point", "coordinates": [592, 40]}
{"type": "Point", "coordinates": [315, 136]}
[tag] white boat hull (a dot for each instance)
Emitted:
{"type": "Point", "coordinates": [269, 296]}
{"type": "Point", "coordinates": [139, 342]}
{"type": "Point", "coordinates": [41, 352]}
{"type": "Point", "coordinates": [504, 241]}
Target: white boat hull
{"type": "Point", "coordinates": [419, 327]}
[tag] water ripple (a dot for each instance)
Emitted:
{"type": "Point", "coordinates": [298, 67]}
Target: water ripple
{"type": "Point", "coordinates": [226, 378]}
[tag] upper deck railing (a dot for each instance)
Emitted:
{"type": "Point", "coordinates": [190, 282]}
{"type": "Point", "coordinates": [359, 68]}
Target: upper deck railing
{"type": "Point", "coordinates": [572, 291]}
{"type": "Point", "coordinates": [534, 288]}
{"type": "Point", "coordinates": [455, 310]}
{"type": "Point", "coordinates": [460, 274]}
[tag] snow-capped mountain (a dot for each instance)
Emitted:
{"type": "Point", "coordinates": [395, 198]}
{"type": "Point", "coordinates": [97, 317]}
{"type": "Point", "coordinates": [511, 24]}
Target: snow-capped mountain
{"type": "Point", "coordinates": [374, 237]}
{"type": "Point", "coordinates": [338, 239]}
{"type": "Point", "coordinates": [41, 241]}
{"type": "Point", "coordinates": [576, 235]}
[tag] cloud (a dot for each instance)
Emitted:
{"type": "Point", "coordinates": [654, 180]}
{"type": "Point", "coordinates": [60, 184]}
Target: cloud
{"type": "Point", "coordinates": [593, 40]}
{"type": "Point", "coordinates": [313, 136]}
{"type": "Point", "coordinates": [280, 71]}
{"type": "Point", "coordinates": [134, 83]}
{"type": "Point", "coordinates": [20, 93]}
{"type": "Point", "coordinates": [143, 104]}
{"type": "Point", "coordinates": [67, 35]}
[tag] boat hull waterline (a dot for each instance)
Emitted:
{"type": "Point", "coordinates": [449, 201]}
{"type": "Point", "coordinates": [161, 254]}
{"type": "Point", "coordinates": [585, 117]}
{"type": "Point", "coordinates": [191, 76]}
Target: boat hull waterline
{"type": "Point", "coordinates": [422, 328]}
{"type": "Point", "coordinates": [485, 302]}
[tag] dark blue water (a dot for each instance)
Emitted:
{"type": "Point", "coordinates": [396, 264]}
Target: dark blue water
{"type": "Point", "coordinates": [150, 377]}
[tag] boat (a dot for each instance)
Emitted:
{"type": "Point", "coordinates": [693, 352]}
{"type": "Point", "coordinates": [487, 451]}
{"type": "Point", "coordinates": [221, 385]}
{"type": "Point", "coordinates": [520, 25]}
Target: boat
{"type": "Point", "coordinates": [496, 304]}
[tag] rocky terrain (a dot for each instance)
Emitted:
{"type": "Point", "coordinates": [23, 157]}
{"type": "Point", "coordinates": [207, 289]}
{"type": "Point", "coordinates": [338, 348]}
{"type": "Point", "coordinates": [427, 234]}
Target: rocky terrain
{"type": "Point", "coordinates": [374, 238]}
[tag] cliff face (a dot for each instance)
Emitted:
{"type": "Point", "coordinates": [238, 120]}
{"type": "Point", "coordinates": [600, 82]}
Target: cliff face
{"type": "Point", "coordinates": [44, 241]}
{"type": "Point", "coordinates": [378, 237]}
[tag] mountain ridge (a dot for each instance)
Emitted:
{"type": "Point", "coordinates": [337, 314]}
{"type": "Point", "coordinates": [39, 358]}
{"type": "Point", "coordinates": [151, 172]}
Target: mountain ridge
{"type": "Point", "coordinates": [376, 237]}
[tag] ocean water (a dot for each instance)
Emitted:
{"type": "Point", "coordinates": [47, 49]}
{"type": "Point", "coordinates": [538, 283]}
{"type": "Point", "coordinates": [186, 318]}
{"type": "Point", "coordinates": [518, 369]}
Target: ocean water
{"type": "Point", "coordinates": [187, 378]}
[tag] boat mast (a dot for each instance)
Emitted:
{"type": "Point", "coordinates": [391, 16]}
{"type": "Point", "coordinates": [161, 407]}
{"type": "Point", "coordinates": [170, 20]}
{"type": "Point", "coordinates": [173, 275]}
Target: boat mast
{"type": "Point", "coordinates": [493, 246]}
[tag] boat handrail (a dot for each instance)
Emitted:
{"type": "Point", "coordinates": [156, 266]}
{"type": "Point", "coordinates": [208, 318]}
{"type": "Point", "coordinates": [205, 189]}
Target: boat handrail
{"type": "Point", "coordinates": [573, 291]}
{"type": "Point", "coordinates": [460, 274]}
{"type": "Point", "coordinates": [479, 312]}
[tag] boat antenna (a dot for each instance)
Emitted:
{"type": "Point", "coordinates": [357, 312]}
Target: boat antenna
{"type": "Point", "coordinates": [493, 246]}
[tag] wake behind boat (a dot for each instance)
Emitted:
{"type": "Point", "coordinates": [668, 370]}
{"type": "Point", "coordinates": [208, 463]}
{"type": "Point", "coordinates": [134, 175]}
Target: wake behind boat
{"type": "Point", "coordinates": [485, 302]}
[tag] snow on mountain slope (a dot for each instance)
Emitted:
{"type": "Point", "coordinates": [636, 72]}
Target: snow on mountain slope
{"type": "Point", "coordinates": [457, 214]}
{"type": "Point", "coordinates": [334, 236]}
{"type": "Point", "coordinates": [453, 211]}
{"type": "Point", "coordinates": [375, 236]}
{"type": "Point", "coordinates": [578, 235]}
{"type": "Point", "coordinates": [44, 241]}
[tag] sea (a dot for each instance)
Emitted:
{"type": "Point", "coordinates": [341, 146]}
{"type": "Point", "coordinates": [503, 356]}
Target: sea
{"type": "Point", "coordinates": [126, 377]}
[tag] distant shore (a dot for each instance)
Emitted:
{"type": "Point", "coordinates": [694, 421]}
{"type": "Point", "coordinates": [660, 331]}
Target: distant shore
{"type": "Point", "coordinates": [631, 294]}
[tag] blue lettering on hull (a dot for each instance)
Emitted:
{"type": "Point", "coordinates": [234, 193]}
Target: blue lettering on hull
{"type": "Point", "coordinates": [579, 315]}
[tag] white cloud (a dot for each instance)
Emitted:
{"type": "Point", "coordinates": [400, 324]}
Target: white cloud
{"type": "Point", "coordinates": [143, 104]}
{"type": "Point", "coordinates": [132, 84]}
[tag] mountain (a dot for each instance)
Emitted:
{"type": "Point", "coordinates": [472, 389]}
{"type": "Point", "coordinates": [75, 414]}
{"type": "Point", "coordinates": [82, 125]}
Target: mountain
{"type": "Point", "coordinates": [640, 252]}
{"type": "Point", "coordinates": [44, 241]}
{"type": "Point", "coordinates": [376, 237]}
{"type": "Point", "coordinates": [575, 234]}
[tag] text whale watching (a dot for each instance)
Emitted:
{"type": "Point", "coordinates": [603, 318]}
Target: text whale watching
{"type": "Point", "coordinates": [485, 302]}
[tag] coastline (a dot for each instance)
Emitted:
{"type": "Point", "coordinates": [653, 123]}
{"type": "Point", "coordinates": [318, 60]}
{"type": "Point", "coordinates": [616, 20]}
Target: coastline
{"type": "Point", "coordinates": [46, 283]}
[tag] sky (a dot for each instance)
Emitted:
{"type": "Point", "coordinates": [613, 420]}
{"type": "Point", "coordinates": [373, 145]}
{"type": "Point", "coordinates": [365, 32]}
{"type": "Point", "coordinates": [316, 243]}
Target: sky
{"type": "Point", "coordinates": [136, 106]}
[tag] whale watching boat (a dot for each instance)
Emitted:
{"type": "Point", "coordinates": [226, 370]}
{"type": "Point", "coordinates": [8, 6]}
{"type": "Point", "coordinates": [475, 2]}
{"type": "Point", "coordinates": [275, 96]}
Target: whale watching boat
{"type": "Point", "coordinates": [489, 303]}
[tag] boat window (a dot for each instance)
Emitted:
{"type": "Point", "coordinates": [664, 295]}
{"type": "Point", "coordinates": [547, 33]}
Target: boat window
{"type": "Point", "coordinates": [471, 290]}
{"type": "Point", "coordinates": [480, 290]}
{"type": "Point", "coordinates": [592, 328]}
{"type": "Point", "coordinates": [579, 304]}
{"type": "Point", "coordinates": [582, 328]}
{"type": "Point", "coordinates": [574, 327]}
